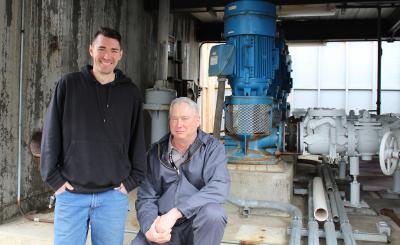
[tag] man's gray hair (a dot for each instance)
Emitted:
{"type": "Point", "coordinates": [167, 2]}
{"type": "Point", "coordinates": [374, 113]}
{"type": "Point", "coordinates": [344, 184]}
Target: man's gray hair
{"type": "Point", "coordinates": [186, 100]}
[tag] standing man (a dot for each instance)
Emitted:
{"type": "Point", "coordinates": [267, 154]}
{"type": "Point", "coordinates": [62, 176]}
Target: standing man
{"type": "Point", "coordinates": [187, 182]}
{"type": "Point", "coordinates": [93, 151]}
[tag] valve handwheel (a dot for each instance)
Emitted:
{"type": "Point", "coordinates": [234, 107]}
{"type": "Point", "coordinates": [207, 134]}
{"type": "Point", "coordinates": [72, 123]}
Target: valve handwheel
{"type": "Point", "coordinates": [389, 153]}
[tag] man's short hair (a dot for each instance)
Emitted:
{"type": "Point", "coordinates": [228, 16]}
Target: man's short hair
{"type": "Point", "coordinates": [108, 32]}
{"type": "Point", "coordinates": [186, 100]}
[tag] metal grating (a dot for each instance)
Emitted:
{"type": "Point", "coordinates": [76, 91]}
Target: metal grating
{"type": "Point", "coordinates": [248, 119]}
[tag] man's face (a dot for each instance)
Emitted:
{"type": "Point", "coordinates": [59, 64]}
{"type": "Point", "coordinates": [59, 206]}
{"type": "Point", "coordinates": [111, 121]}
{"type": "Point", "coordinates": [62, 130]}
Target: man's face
{"type": "Point", "coordinates": [106, 52]}
{"type": "Point", "coordinates": [183, 122]}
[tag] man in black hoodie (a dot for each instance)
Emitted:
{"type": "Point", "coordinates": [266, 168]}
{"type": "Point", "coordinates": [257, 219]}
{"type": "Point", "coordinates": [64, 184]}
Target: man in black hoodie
{"type": "Point", "coordinates": [93, 149]}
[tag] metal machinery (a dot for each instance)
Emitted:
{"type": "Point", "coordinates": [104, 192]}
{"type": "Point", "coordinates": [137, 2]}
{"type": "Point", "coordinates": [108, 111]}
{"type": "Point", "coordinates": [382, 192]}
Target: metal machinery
{"type": "Point", "coordinates": [341, 138]}
{"type": "Point", "coordinates": [257, 66]}
{"type": "Point", "coordinates": [256, 63]}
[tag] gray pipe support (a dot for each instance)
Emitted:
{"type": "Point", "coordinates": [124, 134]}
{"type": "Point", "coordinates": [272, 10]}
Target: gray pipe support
{"type": "Point", "coordinates": [295, 212]}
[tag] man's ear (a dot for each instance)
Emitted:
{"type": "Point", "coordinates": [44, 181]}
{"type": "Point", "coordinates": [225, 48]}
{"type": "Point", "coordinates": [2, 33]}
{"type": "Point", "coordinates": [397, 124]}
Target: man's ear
{"type": "Point", "coordinates": [91, 50]}
{"type": "Point", "coordinates": [121, 53]}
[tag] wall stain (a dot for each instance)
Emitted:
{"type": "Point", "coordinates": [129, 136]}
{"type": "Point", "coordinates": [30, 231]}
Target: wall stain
{"type": "Point", "coordinates": [38, 66]}
{"type": "Point", "coordinates": [53, 44]}
{"type": "Point", "coordinates": [76, 14]}
{"type": "Point", "coordinates": [53, 6]}
{"type": "Point", "coordinates": [4, 96]}
{"type": "Point", "coordinates": [9, 11]}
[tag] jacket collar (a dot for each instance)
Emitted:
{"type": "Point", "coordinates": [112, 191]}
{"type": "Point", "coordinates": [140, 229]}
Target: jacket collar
{"type": "Point", "coordinates": [162, 144]}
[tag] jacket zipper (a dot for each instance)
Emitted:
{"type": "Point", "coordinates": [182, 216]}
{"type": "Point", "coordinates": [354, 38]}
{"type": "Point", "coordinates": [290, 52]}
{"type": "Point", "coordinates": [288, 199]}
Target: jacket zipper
{"type": "Point", "coordinates": [174, 167]}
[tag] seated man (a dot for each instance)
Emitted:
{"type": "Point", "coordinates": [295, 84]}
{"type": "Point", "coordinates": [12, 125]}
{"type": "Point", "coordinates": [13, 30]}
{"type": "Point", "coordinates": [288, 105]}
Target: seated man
{"type": "Point", "coordinates": [187, 182]}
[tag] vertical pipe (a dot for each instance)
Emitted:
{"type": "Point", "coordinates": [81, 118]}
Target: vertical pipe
{"type": "Point", "coordinates": [20, 106]}
{"type": "Point", "coordinates": [219, 107]}
{"type": "Point", "coordinates": [342, 169]}
{"type": "Point", "coordinates": [354, 186]}
{"type": "Point", "coordinates": [378, 97]}
{"type": "Point", "coordinates": [163, 32]}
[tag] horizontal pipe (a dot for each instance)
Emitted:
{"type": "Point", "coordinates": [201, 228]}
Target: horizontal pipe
{"type": "Point", "coordinates": [358, 235]}
{"type": "Point", "coordinates": [295, 212]}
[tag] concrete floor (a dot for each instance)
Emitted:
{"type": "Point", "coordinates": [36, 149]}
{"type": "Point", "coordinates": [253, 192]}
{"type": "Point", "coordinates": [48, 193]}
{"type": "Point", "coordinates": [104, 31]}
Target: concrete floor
{"type": "Point", "coordinates": [256, 229]}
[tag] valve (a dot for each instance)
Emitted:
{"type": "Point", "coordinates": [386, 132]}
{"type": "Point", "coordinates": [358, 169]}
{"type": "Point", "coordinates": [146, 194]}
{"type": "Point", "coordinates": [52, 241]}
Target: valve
{"type": "Point", "coordinates": [389, 153]}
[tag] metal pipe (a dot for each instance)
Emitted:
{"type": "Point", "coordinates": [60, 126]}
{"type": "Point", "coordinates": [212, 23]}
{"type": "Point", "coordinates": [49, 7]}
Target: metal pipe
{"type": "Point", "coordinates": [329, 227]}
{"type": "Point", "coordinates": [219, 107]}
{"type": "Point", "coordinates": [358, 235]}
{"type": "Point", "coordinates": [312, 224]}
{"type": "Point", "coordinates": [20, 106]}
{"type": "Point", "coordinates": [328, 182]}
{"type": "Point", "coordinates": [297, 216]}
{"type": "Point", "coordinates": [316, 123]}
{"type": "Point", "coordinates": [378, 90]}
{"type": "Point", "coordinates": [264, 142]}
{"type": "Point", "coordinates": [162, 36]}
{"type": "Point", "coordinates": [332, 202]}
{"type": "Point", "coordinates": [342, 168]}
{"type": "Point", "coordinates": [354, 186]}
{"type": "Point", "coordinates": [344, 221]}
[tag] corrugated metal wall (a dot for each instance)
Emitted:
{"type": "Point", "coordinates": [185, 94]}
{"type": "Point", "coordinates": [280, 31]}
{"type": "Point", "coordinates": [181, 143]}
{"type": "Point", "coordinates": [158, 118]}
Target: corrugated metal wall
{"type": "Point", "coordinates": [344, 75]}
{"type": "Point", "coordinates": [57, 35]}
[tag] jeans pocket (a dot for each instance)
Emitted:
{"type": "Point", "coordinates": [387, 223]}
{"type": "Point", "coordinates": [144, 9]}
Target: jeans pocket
{"type": "Point", "coordinates": [60, 194]}
{"type": "Point", "coordinates": [120, 192]}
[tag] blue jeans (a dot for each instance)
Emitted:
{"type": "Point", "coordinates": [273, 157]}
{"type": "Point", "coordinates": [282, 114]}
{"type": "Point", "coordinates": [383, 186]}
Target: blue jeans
{"type": "Point", "coordinates": [105, 212]}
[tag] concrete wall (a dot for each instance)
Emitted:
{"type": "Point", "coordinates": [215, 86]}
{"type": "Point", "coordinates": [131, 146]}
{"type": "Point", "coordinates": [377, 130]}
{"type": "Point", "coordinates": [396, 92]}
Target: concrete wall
{"type": "Point", "coordinates": [57, 34]}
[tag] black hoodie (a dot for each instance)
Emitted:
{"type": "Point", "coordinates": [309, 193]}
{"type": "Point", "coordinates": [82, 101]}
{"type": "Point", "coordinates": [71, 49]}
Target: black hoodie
{"type": "Point", "coordinates": [93, 134]}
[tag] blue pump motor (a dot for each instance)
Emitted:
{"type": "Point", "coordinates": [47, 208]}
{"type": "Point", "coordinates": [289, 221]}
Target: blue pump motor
{"type": "Point", "coordinates": [250, 60]}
